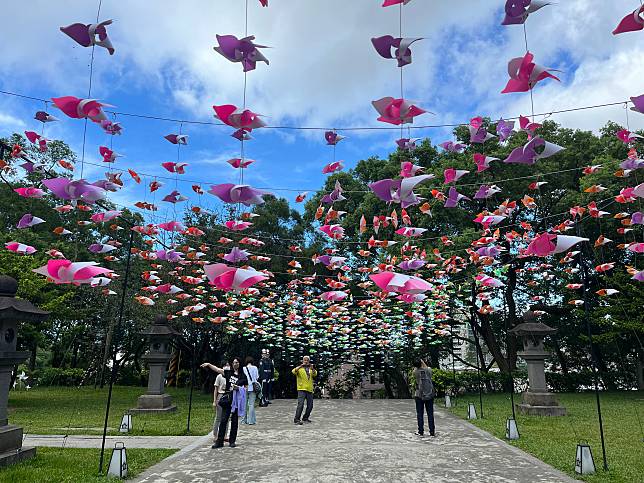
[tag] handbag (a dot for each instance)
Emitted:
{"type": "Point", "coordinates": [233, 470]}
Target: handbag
{"type": "Point", "coordinates": [257, 387]}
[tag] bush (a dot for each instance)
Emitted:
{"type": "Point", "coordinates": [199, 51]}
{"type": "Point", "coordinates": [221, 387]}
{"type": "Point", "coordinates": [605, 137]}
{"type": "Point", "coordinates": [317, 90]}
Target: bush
{"type": "Point", "coordinates": [129, 376]}
{"type": "Point", "coordinates": [57, 376]}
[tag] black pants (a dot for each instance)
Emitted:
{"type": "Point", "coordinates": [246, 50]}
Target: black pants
{"type": "Point", "coordinates": [267, 388]}
{"type": "Point", "coordinates": [301, 397]}
{"type": "Point", "coordinates": [429, 407]}
{"type": "Point", "coordinates": [227, 414]}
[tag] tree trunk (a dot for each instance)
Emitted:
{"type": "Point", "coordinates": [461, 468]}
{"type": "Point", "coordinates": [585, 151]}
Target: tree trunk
{"type": "Point", "coordinates": [32, 357]}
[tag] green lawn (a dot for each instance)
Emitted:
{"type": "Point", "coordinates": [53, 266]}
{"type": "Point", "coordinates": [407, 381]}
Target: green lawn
{"type": "Point", "coordinates": [76, 465]}
{"type": "Point", "coordinates": [63, 410]}
{"type": "Point", "coordinates": [554, 440]}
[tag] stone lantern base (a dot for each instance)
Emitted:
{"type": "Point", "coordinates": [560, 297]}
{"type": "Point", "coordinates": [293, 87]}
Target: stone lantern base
{"type": "Point", "coordinates": [154, 403]}
{"type": "Point", "coordinates": [11, 449]}
{"type": "Point", "coordinates": [540, 404]}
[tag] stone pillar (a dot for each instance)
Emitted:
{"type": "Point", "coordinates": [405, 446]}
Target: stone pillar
{"type": "Point", "coordinates": [537, 401]}
{"type": "Point", "coordinates": [12, 312]}
{"type": "Point", "coordinates": [159, 335]}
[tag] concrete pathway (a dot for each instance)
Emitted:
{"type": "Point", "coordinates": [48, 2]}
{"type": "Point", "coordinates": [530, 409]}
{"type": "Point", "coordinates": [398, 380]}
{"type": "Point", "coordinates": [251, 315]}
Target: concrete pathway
{"type": "Point", "coordinates": [353, 441]}
{"type": "Point", "coordinates": [80, 441]}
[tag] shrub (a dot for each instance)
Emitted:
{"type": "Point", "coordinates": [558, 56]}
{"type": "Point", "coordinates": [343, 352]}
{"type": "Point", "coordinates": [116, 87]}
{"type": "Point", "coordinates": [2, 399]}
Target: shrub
{"type": "Point", "coordinates": [57, 376]}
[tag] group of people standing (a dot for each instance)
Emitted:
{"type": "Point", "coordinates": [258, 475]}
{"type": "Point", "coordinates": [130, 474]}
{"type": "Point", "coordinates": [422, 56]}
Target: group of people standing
{"type": "Point", "coordinates": [237, 389]}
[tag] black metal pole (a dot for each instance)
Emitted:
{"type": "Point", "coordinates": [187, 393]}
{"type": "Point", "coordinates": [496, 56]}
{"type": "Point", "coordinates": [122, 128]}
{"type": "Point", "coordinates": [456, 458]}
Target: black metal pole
{"type": "Point", "coordinates": [593, 358]}
{"type": "Point", "coordinates": [192, 384]}
{"type": "Point", "coordinates": [476, 348]}
{"type": "Point", "coordinates": [114, 362]}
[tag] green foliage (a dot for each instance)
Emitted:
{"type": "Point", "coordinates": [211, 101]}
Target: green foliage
{"type": "Point", "coordinates": [72, 465]}
{"type": "Point", "coordinates": [56, 376]}
{"type": "Point", "coordinates": [554, 439]}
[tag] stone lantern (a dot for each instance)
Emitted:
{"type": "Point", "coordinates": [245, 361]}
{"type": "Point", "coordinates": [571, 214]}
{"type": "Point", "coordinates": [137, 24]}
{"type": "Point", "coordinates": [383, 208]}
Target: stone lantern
{"type": "Point", "coordinates": [159, 335]}
{"type": "Point", "coordinates": [12, 312]}
{"type": "Point", "coordinates": [537, 401]}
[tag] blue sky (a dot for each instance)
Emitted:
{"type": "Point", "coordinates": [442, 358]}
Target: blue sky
{"type": "Point", "coordinates": [324, 72]}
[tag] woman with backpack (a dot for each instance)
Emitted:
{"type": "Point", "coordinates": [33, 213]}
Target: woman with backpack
{"type": "Point", "coordinates": [424, 397]}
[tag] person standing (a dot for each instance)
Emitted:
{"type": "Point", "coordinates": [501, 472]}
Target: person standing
{"type": "Point", "coordinates": [424, 397]}
{"type": "Point", "coordinates": [266, 376]}
{"type": "Point", "coordinates": [220, 389]}
{"type": "Point", "coordinates": [252, 376]}
{"type": "Point", "coordinates": [232, 401]}
{"type": "Point", "coordinates": [304, 375]}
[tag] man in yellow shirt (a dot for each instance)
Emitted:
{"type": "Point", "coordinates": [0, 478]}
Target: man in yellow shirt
{"type": "Point", "coordinates": [304, 375]}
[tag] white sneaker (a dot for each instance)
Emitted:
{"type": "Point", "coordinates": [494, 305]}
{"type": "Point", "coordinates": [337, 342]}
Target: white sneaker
{"type": "Point", "coordinates": [419, 434]}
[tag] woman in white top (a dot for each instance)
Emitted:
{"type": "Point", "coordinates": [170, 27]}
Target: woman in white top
{"type": "Point", "coordinates": [252, 374]}
{"type": "Point", "coordinates": [220, 388]}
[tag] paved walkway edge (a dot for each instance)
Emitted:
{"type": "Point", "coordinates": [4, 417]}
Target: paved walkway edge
{"type": "Point", "coordinates": [94, 441]}
{"type": "Point", "coordinates": [518, 451]}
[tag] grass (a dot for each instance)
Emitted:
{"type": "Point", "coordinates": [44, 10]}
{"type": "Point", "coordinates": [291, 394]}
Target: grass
{"type": "Point", "coordinates": [70, 410]}
{"type": "Point", "coordinates": [76, 465]}
{"type": "Point", "coordinates": [554, 440]}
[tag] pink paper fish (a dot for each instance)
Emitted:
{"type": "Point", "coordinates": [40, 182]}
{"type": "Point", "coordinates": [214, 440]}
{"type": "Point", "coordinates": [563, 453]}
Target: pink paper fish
{"type": "Point", "coordinates": [488, 281]}
{"type": "Point", "coordinates": [528, 154]}
{"type": "Point", "coordinates": [101, 248]}
{"type": "Point", "coordinates": [396, 111]}
{"type": "Point", "coordinates": [174, 197]}
{"type": "Point", "coordinates": [389, 3]}
{"type": "Point", "coordinates": [106, 216]}
{"type": "Point", "coordinates": [81, 108]}
{"type": "Point", "coordinates": [30, 192]}
{"type": "Point", "coordinates": [28, 220]}
{"type": "Point", "coordinates": [90, 34]}
{"type": "Point", "coordinates": [409, 169]}
{"type": "Point", "coordinates": [525, 74]}
{"type": "Point", "coordinates": [334, 296]}
{"type": "Point", "coordinates": [335, 232]}
{"type": "Point", "coordinates": [172, 226]}
{"type": "Point", "coordinates": [478, 132]}
{"type": "Point", "coordinates": [403, 284]}
{"type": "Point", "coordinates": [399, 190]}
{"type": "Point", "coordinates": [236, 255]}
{"type": "Point", "coordinates": [20, 248]}
{"type": "Point", "coordinates": [633, 22]}
{"type": "Point", "coordinates": [241, 50]}
{"type": "Point", "coordinates": [638, 104]}
{"type": "Point", "coordinates": [504, 129]}
{"type": "Point", "coordinates": [36, 138]}
{"type": "Point", "coordinates": [407, 144]}
{"type": "Point", "coordinates": [236, 225]}
{"type": "Point", "coordinates": [453, 198]}
{"type": "Point", "coordinates": [486, 191]}
{"type": "Point", "coordinates": [111, 128]}
{"type": "Point", "coordinates": [482, 161]}
{"type": "Point", "coordinates": [109, 156]}
{"type": "Point", "coordinates": [231, 193]}
{"type": "Point", "coordinates": [333, 167]}
{"type": "Point", "coordinates": [414, 264]}
{"type": "Point", "coordinates": [237, 118]}
{"type": "Point", "coordinates": [177, 138]}
{"type": "Point", "coordinates": [400, 46]}
{"type": "Point", "coordinates": [452, 147]}
{"type": "Point", "coordinates": [228, 278]}
{"type": "Point", "coordinates": [332, 138]}
{"type": "Point", "coordinates": [44, 117]}
{"type": "Point", "coordinates": [65, 271]}
{"type": "Point", "coordinates": [240, 163]}
{"type": "Point", "coordinates": [75, 190]}
{"type": "Point", "coordinates": [410, 231]}
{"type": "Point", "coordinates": [453, 175]}
{"type": "Point", "coordinates": [517, 11]}
{"type": "Point", "coordinates": [179, 168]}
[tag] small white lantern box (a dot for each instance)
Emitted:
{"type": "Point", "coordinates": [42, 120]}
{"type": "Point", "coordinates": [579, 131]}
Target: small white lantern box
{"type": "Point", "coordinates": [511, 430]}
{"type": "Point", "coordinates": [448, 401]}
{"type": "Point", "coordinates": [126, 423]}
{"type": "Point", "coordinates": [118, 462]}
{"type": "Point", "coordinates": [584, 462]}
{"type": "Point", "coordinates": [471, 411]}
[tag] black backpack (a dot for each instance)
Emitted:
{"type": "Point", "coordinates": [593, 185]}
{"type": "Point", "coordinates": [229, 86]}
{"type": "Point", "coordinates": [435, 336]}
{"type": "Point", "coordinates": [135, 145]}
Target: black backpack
{"type": "Point", "coordinates": [425, 385]}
